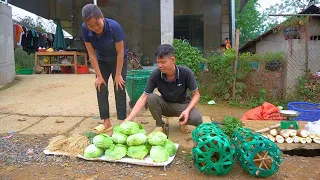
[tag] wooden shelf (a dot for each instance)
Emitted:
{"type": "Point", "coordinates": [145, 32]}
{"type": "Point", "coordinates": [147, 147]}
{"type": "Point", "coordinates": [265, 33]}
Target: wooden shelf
{"type": "Point", "coordinates": [46, 65]}
{"type": "Point", "coordinates": [73, 54]}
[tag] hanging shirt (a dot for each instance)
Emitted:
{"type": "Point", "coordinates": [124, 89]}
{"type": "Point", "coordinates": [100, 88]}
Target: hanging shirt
{"type": "Point", "coordinates": [19, 33]}
{"type": "Point", "coordinates": [104, 45]}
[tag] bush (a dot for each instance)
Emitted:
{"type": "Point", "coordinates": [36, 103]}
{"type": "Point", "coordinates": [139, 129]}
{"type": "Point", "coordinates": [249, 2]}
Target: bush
{"type": "Point", "coordinates": [22, 59]}
{"type": "Point", "coordinates": [186, 55]}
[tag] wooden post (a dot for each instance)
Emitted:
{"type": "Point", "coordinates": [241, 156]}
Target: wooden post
{"type": "Point", "coordinates": [236, 64]}
{"type": "Point", "coordinates": [306, 49]}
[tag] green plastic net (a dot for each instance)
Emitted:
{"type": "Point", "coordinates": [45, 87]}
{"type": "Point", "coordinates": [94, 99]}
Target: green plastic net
{"type": "Point", "coordinates": [257, 155]}
{"type": "Point", "coordinates": [212, 152]}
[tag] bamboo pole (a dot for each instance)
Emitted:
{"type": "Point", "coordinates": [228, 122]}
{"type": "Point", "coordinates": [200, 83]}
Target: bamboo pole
{"type": "Point", "coordinates": [306, 49]}
{"type": "Point", "coordinates": [236, 64]}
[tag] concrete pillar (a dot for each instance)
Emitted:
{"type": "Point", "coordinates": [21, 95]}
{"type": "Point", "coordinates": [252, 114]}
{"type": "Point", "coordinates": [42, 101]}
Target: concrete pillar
{"type": "Point", "coordinates": [167, 21]}
{"type": "Point", "coordinates": [7, 71]}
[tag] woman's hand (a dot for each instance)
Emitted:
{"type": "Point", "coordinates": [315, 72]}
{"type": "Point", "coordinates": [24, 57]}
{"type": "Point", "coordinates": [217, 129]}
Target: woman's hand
{"type": "Point", "coordinates": [119, 82]}
{"type": "Point", "coordinates": [99, 81]}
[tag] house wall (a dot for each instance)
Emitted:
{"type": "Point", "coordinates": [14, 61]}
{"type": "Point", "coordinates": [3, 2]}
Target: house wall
{"type": "Point", "coordinates": [272, 81]}
{"type": "Point", "coordinates": [295, 54]}
{"type": "Point", "coordinates": [140, 21]}
{"type": "Point", "coordinates": [225, 19]}
{"type": "Point", "coordinates": [212, 11]}
{"type": "Point", "coordinates": [7, 65]}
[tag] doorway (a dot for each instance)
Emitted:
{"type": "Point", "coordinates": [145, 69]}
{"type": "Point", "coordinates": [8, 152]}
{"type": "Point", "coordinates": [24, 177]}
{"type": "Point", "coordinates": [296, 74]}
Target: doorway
{"type": "Point", "coordinates": [189, 27]}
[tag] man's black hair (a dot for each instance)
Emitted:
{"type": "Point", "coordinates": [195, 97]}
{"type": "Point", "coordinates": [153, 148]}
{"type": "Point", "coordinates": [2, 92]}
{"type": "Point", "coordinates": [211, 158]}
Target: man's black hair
{"type": "Point", "coordinates": [226, 39]}
{"type": "Point", "coordinates": [223, 45]}
{"type": "Point", "coordinates": [164, 50]}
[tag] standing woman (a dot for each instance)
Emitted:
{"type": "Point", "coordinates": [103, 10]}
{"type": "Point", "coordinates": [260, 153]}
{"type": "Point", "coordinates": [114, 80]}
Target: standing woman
{"type": "Point", "coordinates": [104, 40]}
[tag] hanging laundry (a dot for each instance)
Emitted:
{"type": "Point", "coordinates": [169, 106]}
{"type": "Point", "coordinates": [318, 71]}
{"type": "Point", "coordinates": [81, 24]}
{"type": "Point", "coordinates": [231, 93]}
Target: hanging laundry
{"type": "Point", "coordinates": [19, 33]}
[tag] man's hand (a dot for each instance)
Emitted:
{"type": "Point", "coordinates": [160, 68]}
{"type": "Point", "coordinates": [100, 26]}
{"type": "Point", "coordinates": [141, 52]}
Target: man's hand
{"type": "Point", "coordinates": [99, 82]}
{"type": "Point", "coordinates": [184, 116]}
{"type": "Point", "coordinates": [125, 120]}
{"type": "Point", "coordinates": [119, 82]}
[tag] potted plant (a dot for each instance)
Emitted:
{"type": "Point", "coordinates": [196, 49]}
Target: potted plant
{"type": "Point", "coordinates": [293, 26]}
{"type": "Point", "coordinates": [273, 60]}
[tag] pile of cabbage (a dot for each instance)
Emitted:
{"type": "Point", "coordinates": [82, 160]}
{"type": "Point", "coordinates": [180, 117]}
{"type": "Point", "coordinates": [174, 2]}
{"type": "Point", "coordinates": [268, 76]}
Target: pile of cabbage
{"type": "Point", "coordinates": [130, 139]}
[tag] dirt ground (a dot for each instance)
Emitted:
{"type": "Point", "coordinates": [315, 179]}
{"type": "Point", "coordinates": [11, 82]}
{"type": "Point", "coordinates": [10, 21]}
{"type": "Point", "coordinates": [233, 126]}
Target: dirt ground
{"type": "Point", "coordinates": [33, 105]}
{"type": "Point", "coordinates": [50, 167]}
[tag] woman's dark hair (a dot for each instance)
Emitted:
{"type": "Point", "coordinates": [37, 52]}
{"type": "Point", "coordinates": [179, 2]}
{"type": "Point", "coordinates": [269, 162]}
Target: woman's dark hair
{"type": "Point", "coordinates": [223, 46]}
{"type": "Point", "coordinates": [91, 11]}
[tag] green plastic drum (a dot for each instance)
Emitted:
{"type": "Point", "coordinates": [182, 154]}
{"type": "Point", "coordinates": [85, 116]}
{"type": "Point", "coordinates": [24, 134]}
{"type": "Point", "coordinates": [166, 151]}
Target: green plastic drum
{"type": "Point", "coordinates": [212, 152]}
{"type": "Point", "coordinates": [258, 155]}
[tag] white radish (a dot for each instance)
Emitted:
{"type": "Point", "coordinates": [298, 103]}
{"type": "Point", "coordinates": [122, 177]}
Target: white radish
{"type": "Point", "coordinates": [279, 139]}
{"type": "Point", "coordinates": [312, 134]}
{"type": "Point", "coordinates": [303, 140]}
{"type": "Point", "coordinates": [303, 133]}
{"type": "Point", "coordinates": [271, 138]}
{"type": "Point", "coordinates": [273, 132]}
{"type": "Point", "coordinates": [289, 140]}
{"type": "Point", "coordinates": [296, 139]}
{"type": "Point", "coordinates": [293, 133]}
{"type": "Point", "coordinates": [309, 140]}
{"type": "Point", "coordinates": [284, 133]}
{"type": "Point", "coordinates": [316, 140]}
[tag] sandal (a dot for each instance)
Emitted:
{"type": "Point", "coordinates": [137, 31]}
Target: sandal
{"type": "Point", "coordinates": [185, 129]}
{"type": "Point", "coordinates": [101, 129]}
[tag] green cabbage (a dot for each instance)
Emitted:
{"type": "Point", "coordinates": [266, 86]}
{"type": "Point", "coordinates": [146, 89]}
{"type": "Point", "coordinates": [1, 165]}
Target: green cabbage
{"type": "Point", "coordinates": [148, 146]}
{"type": "Point", "coordinates": [129, 128]}
{"type": "Point", "coordinates": [119, 138]}
{"type": "Point", "coordinates": [142, 131]}
{"type": "Point", "coordinates": [102, 141]}
{"type": "Point", "coordinates": [157, 139]}
{"type": "Point", "coordinates": [170, 147]}
{"type": "Point", "coordinates": [116, 128]}
{"type": "Point", "coordinates": [137, 152]}
{"type": "Point", "coordinates": [92, 151]}
{"type": "Point", "coordinates": [136, 139]}
{"type": "Point", "coordinates": [116, 152]}
{"type": "Point", "coordinates": [159, 154]}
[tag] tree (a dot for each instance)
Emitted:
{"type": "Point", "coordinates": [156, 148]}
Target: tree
{"type": "Point", "coordinates": [286, 6]}
{"type": "Point", "coordinates": [249, 21]}
{"type": "Point", "coordinates": [31, 23]}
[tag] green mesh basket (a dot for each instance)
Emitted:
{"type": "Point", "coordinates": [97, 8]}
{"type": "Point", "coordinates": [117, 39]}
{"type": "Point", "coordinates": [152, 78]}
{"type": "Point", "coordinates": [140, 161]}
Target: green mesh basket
{"type": "Point", "coordinates": [136, 83]}
{"type": "Point", "coordinates": [204, 129]}
{"type": "Point", "coordinates": [212, 152]}
{"type": "Point", "coordinates": [257, 154]}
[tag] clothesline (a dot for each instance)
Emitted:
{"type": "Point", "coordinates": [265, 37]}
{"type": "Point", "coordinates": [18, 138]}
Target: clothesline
{"type": "Point", "coordinates": [29, 27]}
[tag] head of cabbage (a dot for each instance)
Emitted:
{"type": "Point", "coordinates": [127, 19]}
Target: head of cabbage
{"type": "Point", "coordinates": [116, 152]}
{"type": "Point", "coordinates": [136, 139]}
{"type": "Point", "coordinates": [129, 128]}
{"type": "Point", "coordinates": [170, 147]}
{"type": "Point", "coordinates": [157, 139]}
{"type": "Point", "coordinates": [116, 128]}
{"type": "Point", "coordinates": [92, 151]}
{"type": "Point", "coordinates": [137, 152]}
{"type": "Point", "coordinates": [119, 138]}
{"type": "Point", "coordinates": [102, 141]}
{"type": "Point", "coordinates": [159, 154]}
